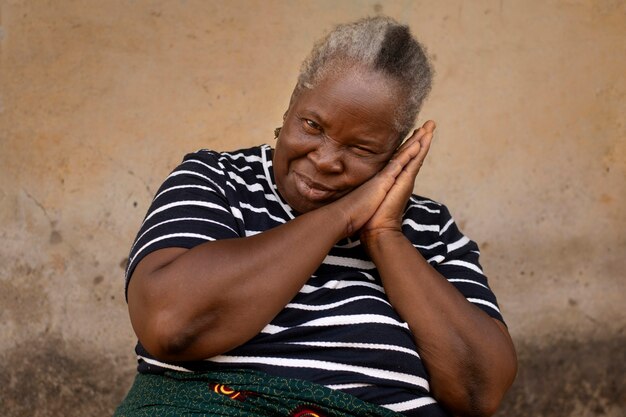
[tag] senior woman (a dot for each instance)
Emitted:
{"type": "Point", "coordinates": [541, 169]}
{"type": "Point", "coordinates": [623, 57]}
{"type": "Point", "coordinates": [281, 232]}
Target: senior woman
{"type": "Point", "coordinates": [307, 279]}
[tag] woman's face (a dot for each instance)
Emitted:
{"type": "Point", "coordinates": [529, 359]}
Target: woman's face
{"type": "Point", "coordinates": [335, 137]}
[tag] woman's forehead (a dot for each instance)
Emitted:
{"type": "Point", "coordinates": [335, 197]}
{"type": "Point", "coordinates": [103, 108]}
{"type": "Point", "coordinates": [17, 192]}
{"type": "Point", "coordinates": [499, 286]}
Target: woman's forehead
{"type": "Point", "coordinates": [354, 93]}
{"type": "Point", "coordinates": [353, 108]}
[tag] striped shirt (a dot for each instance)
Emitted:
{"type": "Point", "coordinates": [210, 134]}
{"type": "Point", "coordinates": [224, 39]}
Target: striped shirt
{"type": "Point", "coordinates": [340, 329]}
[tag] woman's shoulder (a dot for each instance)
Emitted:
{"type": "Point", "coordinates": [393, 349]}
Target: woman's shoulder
{"type": "Point", "coordinates": [252, 154]}
{"type": "Point", "coordinates": [217, 162]}
{"type": "Point", "coordinates": [419, 199]}
{"type": "Point", "coordinates": [418, 204]}
{"type": "Point", "coordinates": [428, 214]}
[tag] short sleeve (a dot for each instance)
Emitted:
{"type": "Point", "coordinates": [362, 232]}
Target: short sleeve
{"type": "Point", "coordinates": [459, 264]}
{"type": "Point", "coordinates": [190, 208]}
{"type": "Point", "coordinates": [433, 232]}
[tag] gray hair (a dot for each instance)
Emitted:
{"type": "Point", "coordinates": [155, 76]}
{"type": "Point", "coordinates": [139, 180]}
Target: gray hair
{"type": "Point", "coordinates": [379, 44]}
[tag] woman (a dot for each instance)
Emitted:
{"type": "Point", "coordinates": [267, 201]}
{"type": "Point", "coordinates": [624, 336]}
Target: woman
{"type": "Point", "coordinates": [307, 279]}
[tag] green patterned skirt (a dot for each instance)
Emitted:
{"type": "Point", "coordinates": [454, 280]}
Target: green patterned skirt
{"type": "Point", "coordinates": [239, 393]}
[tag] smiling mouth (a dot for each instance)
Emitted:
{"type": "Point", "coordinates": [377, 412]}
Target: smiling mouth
{"type": "Point", "coordinates": [312, 190]}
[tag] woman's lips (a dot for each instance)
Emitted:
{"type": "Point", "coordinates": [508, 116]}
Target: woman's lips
{"type": "Point", "coordinates": [312, 190]}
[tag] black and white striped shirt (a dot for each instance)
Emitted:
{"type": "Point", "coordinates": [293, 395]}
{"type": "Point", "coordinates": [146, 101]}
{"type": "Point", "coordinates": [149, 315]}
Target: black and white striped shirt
{"type": "Point", "coordinates": [339, 330]}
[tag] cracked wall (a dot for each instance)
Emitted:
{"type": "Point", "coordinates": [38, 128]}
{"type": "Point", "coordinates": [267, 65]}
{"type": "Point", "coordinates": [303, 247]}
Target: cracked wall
{"type": "Point", "coordinates": [99, 100]}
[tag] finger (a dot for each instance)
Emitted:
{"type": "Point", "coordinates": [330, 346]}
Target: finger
{"type": "Point", "coordinates": [405, 155]}
{"type": "Point", "coordinates": [411, 146]}
{"type": "Point", "coordinates": [425, 142]}
{"type": "Point", "coordinates": [429, 126]}
{"type": "Point", "coordinates": [397, 164]}
{"type": "Point", "coordinates": [410, 171]}
{"type": "Point", "coordinates": [417, 133]}
{"type": "Point", "coordinates": [412, 168]}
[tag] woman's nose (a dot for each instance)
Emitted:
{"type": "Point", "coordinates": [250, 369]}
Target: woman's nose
{"type": "Point", "coordinates": [327, 157]}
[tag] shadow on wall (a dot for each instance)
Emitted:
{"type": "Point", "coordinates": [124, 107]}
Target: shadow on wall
{"type": "Point", "coordinates": [49, 377]}
{"type": "Point", "coordinates": [569, 378]}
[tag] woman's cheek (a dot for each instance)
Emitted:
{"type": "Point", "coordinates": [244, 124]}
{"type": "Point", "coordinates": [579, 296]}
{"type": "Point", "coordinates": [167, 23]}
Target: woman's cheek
{"type": "Point", "coordinates": [368, 169]}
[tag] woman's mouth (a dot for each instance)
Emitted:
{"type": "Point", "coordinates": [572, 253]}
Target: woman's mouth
{"type": "Point", "coordinates": [312, 190]}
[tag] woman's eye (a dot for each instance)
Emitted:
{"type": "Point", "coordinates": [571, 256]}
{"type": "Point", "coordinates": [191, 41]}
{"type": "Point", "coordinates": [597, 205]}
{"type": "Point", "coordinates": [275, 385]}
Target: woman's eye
{"type": "Point", "coordinates": [362, 151]}
{"type": "Point", "coordinates": [311, 125]}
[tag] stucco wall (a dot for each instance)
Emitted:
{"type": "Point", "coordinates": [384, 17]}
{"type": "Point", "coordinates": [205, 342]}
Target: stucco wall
{"type": "Point", "coordinates": [100, 99]}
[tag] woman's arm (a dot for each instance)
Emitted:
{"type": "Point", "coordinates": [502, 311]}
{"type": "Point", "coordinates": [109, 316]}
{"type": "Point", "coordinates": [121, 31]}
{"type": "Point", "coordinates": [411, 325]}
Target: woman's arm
{"type": "Point", "coordinates": [197, 303]}
{"type": "Point", "coordinates": [469, 356]}
{"type": "Point", "coordinates": [193, 304]}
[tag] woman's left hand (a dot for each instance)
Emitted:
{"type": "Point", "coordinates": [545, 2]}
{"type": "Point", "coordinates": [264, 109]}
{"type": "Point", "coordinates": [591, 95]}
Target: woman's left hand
{"type": "Point", "coordinates": [388, 216]}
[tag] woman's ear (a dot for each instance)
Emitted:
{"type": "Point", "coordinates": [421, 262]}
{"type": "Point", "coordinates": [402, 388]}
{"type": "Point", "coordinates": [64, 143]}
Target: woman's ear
{"type": "Point", "coordinates": [277, 130]}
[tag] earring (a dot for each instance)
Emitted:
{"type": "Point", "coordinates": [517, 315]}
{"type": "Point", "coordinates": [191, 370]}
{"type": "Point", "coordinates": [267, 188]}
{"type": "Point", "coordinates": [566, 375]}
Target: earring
{"type": "Point", "coordinates": [277, 132]}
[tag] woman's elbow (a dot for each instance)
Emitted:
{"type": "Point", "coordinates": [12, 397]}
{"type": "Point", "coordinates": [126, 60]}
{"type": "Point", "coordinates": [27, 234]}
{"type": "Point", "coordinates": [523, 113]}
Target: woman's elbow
{"type": "Point", "coordinates": [487, 402]}
{"type": "Point", "coordinates": [174, 334]}
{"type": "Point", "coordinates": [475, 404]}
{"type": "Point", "coordinates": [501, 373]}
{"type": "Point", "coordinates": [156, 333]}
{"type": "Point", "coordinates": [481, 394]}
{"type": "Point", "coordinates": [158, 322]}
{"type": "Point", "coordinates": [485, 406]}
{"type": "Point", "coordinates": [160, 331]}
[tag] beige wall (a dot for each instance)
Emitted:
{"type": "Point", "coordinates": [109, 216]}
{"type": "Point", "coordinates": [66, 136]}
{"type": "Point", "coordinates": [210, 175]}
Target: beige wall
{"type": "Point", "coordinates": [100, 99]}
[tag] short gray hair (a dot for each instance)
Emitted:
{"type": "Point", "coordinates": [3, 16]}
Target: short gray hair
{"type": "Point", "coordinates": [379, 44]}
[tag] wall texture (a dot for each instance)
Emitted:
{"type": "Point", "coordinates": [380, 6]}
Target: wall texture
{"type": "Point", "coordinates": [100, 99]}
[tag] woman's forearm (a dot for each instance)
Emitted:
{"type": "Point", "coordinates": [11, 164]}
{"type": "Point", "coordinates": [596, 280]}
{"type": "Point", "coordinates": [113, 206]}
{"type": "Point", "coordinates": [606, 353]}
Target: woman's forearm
{"type": "Point", "coordinates": [469, 356]}
{"type": "Point", "coordinates": [193, 304]}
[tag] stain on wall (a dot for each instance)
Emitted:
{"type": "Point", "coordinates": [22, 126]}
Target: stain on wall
{"type": "Point", "coordinates": [50, 377]}
{"type": "Point", "coordinates": [100, 100]}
